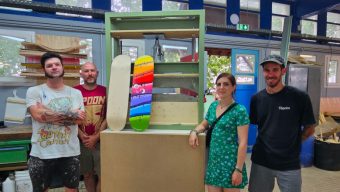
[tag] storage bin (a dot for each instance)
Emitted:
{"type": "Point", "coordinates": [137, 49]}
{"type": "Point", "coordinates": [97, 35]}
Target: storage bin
{"type": "Point", "coordinates": [15, 151]}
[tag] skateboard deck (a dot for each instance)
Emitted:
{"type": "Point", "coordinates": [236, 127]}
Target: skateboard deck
{"type": "Point", "coordinates": [118, 95]}
{"type": "Point", "coordinates": [141, 93]}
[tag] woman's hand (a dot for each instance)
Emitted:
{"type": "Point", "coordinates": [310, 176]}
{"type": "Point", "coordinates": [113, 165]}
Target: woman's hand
{"type": "Point", "coordinates": [193, 139]}
{"type": "Point", "coordinates": [236, 178]}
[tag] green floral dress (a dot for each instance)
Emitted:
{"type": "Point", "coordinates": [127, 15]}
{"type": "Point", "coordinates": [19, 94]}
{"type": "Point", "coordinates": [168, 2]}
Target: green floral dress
{"type": "Point", "coordinates": [223, 147]}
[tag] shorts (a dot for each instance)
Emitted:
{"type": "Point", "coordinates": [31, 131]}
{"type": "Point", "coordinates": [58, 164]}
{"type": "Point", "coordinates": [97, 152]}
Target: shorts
{"type": "Point", "coordinates": [90, 160]}
{"type": "Point", "coordinates": [42, 170]}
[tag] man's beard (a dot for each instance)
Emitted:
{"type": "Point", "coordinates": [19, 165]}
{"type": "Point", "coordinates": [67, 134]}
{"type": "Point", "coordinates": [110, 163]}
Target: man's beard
{"type": "Point", "coordinates": [52, 77]}
{"type": "Point", "coordinates": [274, 83]}
{"type": "Point", "coordinates": [91, 83]}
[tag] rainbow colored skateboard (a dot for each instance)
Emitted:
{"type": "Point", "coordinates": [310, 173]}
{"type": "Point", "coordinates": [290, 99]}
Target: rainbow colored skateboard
{"type": "Point", "coordinates": [141, 93]}
{"type": "Point", "coordinates": [118, 93]}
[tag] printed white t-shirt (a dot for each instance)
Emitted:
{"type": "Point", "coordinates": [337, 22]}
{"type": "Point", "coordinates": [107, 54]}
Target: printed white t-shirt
{"type": "Point", "coordinates": [54, 141]}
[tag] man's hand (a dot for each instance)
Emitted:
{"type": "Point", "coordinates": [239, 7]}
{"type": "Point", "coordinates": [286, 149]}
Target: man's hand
{"type": "Point", "coordinates": [90, 141]}
{"type": "Point", "coordinates": [307, 132]}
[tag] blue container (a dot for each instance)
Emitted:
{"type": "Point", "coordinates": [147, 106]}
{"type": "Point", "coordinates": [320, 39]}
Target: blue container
{"type": "Point", "coordinates": [307, 152]}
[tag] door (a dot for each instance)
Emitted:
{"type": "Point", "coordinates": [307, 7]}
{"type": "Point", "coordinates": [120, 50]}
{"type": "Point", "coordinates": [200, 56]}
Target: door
{"type": "Point", "coordinates": [244, 66]}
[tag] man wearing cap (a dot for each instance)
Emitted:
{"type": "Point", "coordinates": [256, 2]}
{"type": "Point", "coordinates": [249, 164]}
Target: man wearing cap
{"type": "Point", "coordinates": [284, 117]}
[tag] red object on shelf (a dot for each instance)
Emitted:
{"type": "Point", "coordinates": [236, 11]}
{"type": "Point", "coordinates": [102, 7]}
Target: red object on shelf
{"type": "Point", "coordinates": [188, 58]}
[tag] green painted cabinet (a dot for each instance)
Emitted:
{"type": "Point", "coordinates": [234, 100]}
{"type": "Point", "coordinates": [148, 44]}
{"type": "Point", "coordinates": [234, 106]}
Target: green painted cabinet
{"type": "Point", "coordinates": [178, 86]}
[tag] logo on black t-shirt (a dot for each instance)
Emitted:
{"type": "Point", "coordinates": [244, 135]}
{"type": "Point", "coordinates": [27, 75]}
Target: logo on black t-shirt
{"type": "Point", "coordinates": [284, 108]}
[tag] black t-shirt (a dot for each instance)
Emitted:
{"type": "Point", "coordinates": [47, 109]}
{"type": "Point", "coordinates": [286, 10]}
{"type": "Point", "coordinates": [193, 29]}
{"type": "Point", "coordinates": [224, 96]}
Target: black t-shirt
{"type": "Point", "coordinates": [280, 118]}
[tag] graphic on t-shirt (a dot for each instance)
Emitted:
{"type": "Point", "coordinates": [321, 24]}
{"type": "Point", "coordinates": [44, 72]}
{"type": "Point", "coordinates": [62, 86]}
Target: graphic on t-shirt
{"type": "Point", "coordinates": [94, 113]}
{"type": "Point", "coordinates": [50, 134]}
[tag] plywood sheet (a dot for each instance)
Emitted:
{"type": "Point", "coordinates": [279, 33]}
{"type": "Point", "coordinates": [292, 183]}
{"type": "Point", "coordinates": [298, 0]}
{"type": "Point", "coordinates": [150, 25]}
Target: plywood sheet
{"type": "Point", "coordinates": [151, 161]}
{"type": "Point", "coordinates": [57, 42]}
{"type": "Point", "coordinates": [165, 113]}
{"type": "Point", "coordinates": [330, 105]}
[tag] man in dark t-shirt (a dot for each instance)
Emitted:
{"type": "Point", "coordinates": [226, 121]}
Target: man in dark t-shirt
{"type": "Point", "coordinates": [284, 117]}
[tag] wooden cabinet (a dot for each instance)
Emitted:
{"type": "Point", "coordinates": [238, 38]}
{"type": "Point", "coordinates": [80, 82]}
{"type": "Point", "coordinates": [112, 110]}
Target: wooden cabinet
{"type": "Point", "coordinates": [182, 107]}
{"type": "Point", "coordinates": [160, 158]}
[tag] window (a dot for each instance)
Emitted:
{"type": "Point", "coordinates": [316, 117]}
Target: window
{"type": "Point", "coordinates": [279, 12]}
{"type": "Point", "coordinates": [249, 13]}
{"type": "Point", "coordinates": [332, 71]}
{"type": "Point", "coordinates": [126, 5]}
{"type": "Point", "coordinates": [16, 9]}
{"type": "Point", "coordinates": [277, 23]}
{"type": "Point", "coordinates": [174, 53]}
{"type": "Point", "coordinates": [76, 3]}
{"type": "Point", "coordinates": [174, 5]}
{"type": "Point", "coordinates": [333, 25]}
{"type": "Point", "coordinates": [250, 18]}
{"type": "Point", "coordinates": [333, 17]}
{"type": "Point", "coordinates": [216, 2]}
{"type": "Point", "coordinates": [215, 16]}
{"type": "Point", "coordinates": [253, 5]}
{"type": "Point", "coordinates": [309, 25]}
{"type": "Point", "coordinates": [132, 51]}
{"type": "Point", "coordinates": [10, 44]}
{"type": "Point", "coordinates": [280, 9]}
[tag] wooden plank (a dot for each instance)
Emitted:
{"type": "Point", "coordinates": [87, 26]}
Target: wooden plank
{"type": "Point", "coordinates": [57, 42]}
{"type": "Point", "coordinates": [168, 33]}
{"type": "Point", "coordinates": [25, 52]}
{"type": "Point", "coordinates": [151, 161]}
{"type": "Point", "coordinates": [167, 113]}
{"type": "Point", "coordinates": [66, 75]}
{"type": "Point", "coordinates": [13, 167]}
{"type": "Point", "coordinates": [174, 75]}
{"type": "Point", "coordinates": [41, 47]}
{"type": "Point", "coordinates": [16, 132]}
{"type": "Point", "coordinates": [38, 66]}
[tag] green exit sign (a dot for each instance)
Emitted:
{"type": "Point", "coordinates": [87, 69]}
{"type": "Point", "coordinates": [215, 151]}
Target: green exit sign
{"type": "Point", "coordinates": [243, 27]}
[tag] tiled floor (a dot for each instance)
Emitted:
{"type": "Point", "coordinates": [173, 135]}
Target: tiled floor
{"type": "Point", "coordinates": [313, 180]}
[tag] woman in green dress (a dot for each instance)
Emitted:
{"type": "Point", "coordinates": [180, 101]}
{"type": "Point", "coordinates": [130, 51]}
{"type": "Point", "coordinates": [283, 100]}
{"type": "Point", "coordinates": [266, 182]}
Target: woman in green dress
{"type": "Point", "coordinates": [226, 170]}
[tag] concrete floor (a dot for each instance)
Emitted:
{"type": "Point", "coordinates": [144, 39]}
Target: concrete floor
{"type": "Point", "coordinates": [313, 180]}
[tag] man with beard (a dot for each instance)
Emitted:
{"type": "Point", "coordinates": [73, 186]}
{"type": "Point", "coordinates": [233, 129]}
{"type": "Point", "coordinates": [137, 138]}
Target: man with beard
{"type": "Point", "coordinates": [284, 117]}
{"type": "Point", "coordinates": [95, 108]}
{"type": "Point", "coordinates": [56, 110]}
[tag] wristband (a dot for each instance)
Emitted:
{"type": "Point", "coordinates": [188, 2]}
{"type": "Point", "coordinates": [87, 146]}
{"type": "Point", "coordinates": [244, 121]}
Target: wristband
{"type": "Point", "coordinates": [194, 130]}
{"type": "Point", "coordinates": [238, 170]}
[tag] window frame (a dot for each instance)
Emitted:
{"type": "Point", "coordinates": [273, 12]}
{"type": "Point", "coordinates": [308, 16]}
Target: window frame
{"type": "Point", "coordinates": [279, 15]}
{"type": "Point", "coordinates": [224, 5]}
{"type": "Point", "coordinates": [251, 9]}
{"type": "Point", "coordinates": [329, 58]}
{"type": "Point", "coordinates": [332, 23]}
{"type": "Point", "coordinates": [174, 1]}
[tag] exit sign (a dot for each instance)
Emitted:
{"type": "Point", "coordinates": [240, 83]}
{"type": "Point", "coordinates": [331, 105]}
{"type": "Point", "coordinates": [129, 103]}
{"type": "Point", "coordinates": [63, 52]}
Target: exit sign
{"type": "Point", "coordinates": [243, 27]}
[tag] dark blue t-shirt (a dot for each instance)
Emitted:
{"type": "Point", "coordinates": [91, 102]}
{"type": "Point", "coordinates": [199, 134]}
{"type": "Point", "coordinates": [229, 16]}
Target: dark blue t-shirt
{"type": "Point", "coordinates": [280, 118]}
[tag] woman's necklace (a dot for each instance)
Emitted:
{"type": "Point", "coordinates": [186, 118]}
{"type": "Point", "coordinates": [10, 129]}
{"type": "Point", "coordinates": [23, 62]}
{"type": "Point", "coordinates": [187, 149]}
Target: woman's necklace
{"type": "Point", "coordinates": [225, 106]}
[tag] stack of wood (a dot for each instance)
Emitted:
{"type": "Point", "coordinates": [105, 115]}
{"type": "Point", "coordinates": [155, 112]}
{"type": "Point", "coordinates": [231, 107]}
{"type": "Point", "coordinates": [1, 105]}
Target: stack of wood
{"type": "Point", "coordinates": [328, 129]}
{"type": "Point", "coordinates": [69, 49]}
{"type": "Point", "coordinates": [295, 59]}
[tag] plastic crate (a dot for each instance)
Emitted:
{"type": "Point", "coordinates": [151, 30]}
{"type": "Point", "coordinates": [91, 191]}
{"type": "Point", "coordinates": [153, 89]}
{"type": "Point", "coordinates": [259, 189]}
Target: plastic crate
{"type": "Point", "coordinates": [14, 151]}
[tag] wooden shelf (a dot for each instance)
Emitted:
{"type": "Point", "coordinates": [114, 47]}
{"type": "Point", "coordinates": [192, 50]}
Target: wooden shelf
{"type": "Point", "coordinates": [174, 75]}
{"type": "Point", "coordinates": [66, 75]}
{"type": "Point", "coordinates": [25, 52]}
{"type": "Point", "coordinates": [168, 33]}
{"type": "Point", "coordinates": [38, 66]}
